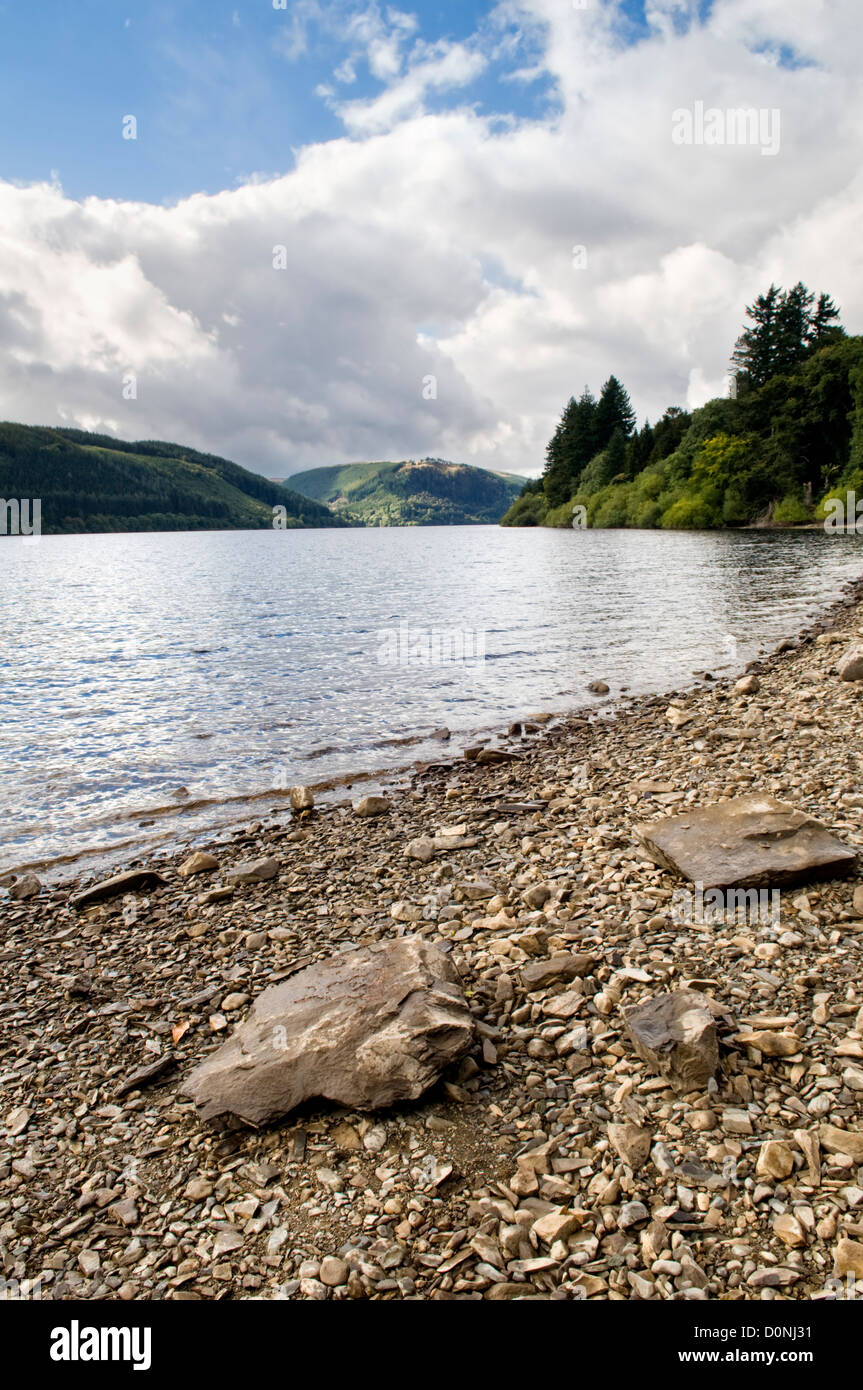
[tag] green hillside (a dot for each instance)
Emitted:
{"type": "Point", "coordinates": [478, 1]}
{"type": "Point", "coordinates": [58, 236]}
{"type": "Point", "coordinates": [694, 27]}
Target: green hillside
{"type": "Point", "coordinates": [423, 492]}
{"type": "Point", "coordinates": [91, 482]}
{"type": "Point", "coordinates": [788, 439]}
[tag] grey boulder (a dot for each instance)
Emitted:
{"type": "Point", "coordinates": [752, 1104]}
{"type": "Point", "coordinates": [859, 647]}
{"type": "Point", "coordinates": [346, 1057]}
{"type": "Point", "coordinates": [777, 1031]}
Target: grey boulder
{"type": "Point", "coordinates": [753, 841]}
{"type": "Point", "coordinates": [675, 1034]}
{"type": "Point", "coordinates": [366, 1029]}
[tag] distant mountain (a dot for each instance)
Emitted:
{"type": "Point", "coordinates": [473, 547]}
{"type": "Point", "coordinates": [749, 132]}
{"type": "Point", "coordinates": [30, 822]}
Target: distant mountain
{"type": "Point", "coordinates": [92, 482]}
{"type": "Point", "coordinates": [415, 492]}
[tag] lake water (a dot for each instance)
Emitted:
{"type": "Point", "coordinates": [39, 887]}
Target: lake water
{"type": "Point", "coordinates": [160, 685]}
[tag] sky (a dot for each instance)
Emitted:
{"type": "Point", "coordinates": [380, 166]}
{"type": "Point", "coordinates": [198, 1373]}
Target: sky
{"type": "Point", "coordinates": [307, 232]}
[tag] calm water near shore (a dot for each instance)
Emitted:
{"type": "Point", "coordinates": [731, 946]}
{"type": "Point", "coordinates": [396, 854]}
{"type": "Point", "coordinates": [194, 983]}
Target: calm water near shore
{"type": "Point", "coordinates": [157, 685]}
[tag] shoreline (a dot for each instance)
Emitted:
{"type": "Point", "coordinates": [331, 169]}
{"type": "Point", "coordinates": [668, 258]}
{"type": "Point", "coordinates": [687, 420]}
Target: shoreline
{"type": "Point", "coordinates": [441, 1199]}
{"type": "Point", "coordinates": [76, 866]}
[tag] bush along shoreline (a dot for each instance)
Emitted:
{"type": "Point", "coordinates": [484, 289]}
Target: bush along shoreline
{"type": "Point", "coordinates": [783, 449]}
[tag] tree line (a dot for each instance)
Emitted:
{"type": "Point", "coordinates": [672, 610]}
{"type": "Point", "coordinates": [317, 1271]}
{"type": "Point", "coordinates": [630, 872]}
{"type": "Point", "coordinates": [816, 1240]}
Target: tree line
{"type": "Point", "coordinates": [790, 430]}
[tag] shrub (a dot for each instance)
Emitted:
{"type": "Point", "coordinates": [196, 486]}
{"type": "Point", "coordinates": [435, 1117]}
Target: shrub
{"type": "Point", "coordinates": [688, 514]}
{"type": "Point", "coordinates": [791, 511]}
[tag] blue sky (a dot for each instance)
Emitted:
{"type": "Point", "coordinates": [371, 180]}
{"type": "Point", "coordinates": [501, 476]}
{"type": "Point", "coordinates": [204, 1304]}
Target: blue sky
{"type": "Point", "coordinates": [221, 89]}
{"type": "Point", "coordinates": [213, 84]}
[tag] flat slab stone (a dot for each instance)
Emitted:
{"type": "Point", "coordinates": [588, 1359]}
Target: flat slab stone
{"type": "Point", "coordinates": [752, 841]}
{"type": "Point", "coordinates": [365, 1028]}
{"type": "Point", "coordinates": [129, 882]}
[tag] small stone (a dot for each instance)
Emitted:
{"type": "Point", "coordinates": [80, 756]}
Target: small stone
{"type": "Point", "coordinates": [17, 1120]}
{"type": "Point", "coordinates": [788, 1229]}
{"type": "Point", "coordinates": [641, 1286]}
{"type": "Point", "coordinates": [560, 966]}
{"type": "Point", "coordinates": [736, 1121]}
{"type": "Point", "coordinates": [229, 1238]}
{"type": "Point", "coordinates": [198, 863]}
{"type": "Point", "coordinates": [842, 1141]}
{"type": "Point", "coordinates": [371, 806]}
{"type": "Point", "coordinates": [773, 1278]}
{"type": "Point", "coordinates": [632, 1143]}
{"type": "Point", "coordinates": [333, 1272]}
{"type": "Point", "coordinates": [215, 895]}
{"type": "Point", "coordinates": [598, 688]}
{"type": "Point", "coordinates": [302, 799]}
{"type": "Point", "coordinates": [632, 1214]}
{"type": "Point", "coordinates": [769, 1043]}
{"type": "Point", "coordinates": [810, 1145]}
{"type": "Point", "coordinates": [538, 895]}
{"type": "Point", "coordinates": [775, 1159]}
{"type": "Point", "coordinates": [232, 1002]}
{"type": "Point", "coordinates": [256, 871]}
{"type": "Point", "coordinates": [851, 665]}
{"type": "Point", "coordinates": [345, 1136]}
{"type": "Point", "coordinates": [126, 1212]}
{"type": "Point", "coordinates": [24, 887]}
{"type": "Point", "coordinates": [747, 685]}
{"type": "Point", "coordinates": [406, 912]}
{"type": "Point", "coordinates": [557, 1225]}
{"type": "Point", "coordinates": [375, 1139]}
{"type": "Point", "coordinates": [198, 1189]}
{"type": "Point", "coordinates": [422, 849]}
{"type": "Point", "coordinates": [89, 1262]}
{"type": "Point", "coordinates": [848, 1258]}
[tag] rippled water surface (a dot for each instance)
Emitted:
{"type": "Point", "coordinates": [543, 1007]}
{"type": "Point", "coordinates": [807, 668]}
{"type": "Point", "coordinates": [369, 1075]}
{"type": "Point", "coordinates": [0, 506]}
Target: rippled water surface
{"type": "Point", "coordinates": [160, 684]}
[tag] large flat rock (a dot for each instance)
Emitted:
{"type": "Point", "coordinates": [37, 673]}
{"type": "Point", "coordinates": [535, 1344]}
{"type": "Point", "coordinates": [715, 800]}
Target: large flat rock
{"type": "Point", "coordinates": [752, 841]}
{"type": "Point", "coordinates": [366, 1028]}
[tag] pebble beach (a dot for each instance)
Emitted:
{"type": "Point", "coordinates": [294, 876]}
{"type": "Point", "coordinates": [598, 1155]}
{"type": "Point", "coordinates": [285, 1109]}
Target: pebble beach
{"type": "Point", "coordinates": [552, 1161]}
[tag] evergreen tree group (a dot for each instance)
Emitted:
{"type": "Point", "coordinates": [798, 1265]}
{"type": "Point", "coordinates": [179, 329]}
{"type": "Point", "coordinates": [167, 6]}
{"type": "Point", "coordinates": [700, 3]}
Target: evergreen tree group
{"type": "Point", "coordinates": [586, 428]}
{"type": "Point", "coordinates": [785, 330]}
{"type": "Point", "coordinates": [791, 434]}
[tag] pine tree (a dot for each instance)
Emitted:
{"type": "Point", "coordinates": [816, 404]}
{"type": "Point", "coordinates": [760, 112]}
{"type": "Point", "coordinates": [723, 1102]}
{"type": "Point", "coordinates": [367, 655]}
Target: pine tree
{"type": "Point", "coordinates": [557, 478]}
{"type": "Point", "coordinates": [615, 456]}
{"type": "Point", "coordinates": [792, 329]}
{"type": "Point", "coordinates": [823, 324]}
{"type": "Point", "coordinates": [638, 449]}
{"type": "Point", "coordinates": [755, 349]}
{"type": "Point", "coordinates": [784, 332]}
{"type": "Point", "coordinates": [613, 412]}
{"type": "Point", "coordinates": [582, 442]}
{"type": "Point", "coordinates": [570, 449]}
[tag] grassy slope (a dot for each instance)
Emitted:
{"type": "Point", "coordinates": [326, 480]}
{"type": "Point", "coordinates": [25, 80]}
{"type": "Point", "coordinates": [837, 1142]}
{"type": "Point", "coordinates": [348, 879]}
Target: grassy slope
{"type": "Point", "coordinates": [409, 493]}
{"type": "Point", "coordinates": [92, 482]}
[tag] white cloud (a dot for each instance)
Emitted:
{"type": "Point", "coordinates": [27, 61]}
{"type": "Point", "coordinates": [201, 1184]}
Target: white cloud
{"type": "Point", "coordinates": [440, 68]}
{"type": "Point", "coordinates": [441, 243]}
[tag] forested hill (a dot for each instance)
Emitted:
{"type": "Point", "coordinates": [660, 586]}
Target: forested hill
{"type": "Point", "coordinates": [415, 492]}
{"type": "Point", "coordinates": [787, 439]}
{"type": "Point", "coordinates": [92, 482]}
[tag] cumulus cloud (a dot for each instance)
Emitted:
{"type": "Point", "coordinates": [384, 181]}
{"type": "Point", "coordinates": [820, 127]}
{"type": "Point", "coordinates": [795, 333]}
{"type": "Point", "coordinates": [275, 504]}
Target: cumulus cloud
{"type": "Point", "coordinates": [449, 278]}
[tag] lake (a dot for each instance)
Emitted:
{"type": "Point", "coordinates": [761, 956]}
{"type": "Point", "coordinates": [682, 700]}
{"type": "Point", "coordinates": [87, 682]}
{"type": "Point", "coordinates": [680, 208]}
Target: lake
{"type": "Point", "coordinates": [162, 685]}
